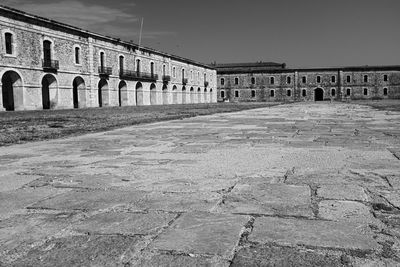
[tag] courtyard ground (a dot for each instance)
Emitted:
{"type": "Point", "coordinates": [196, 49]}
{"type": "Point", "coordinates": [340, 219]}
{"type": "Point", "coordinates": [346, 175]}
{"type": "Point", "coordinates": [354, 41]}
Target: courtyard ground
{"type": "Point", "coordinates": [304, 184]}
{"type": "Point", "coordinates": [26, 126]}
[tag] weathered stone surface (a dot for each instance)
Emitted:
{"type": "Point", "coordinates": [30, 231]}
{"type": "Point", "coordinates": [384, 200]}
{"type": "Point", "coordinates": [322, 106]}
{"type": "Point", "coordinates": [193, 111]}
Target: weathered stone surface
{"type": "Point", "coordinates": [342, 192]}
{"type": "Point", "coordinates": [202, 233]}
{"type": "Point", "coordinates": [269, 199]}
{"type": "Point", "coordinates": [124, 223]}
{"type": "Point", "coordinates": [179, 260]}
{"type": "Point", "coordinates": [284, 256]}
{"type": "Point", "coordinates": [347, 211]}
{"type": "Point", "coordinates": [82, 251]}
{"type": "Point", "coordinates": [314, 233]}
{"type": "Point", "coordinates": [393, 196]}
{"type": "Point", "coordinates": [13, 202]}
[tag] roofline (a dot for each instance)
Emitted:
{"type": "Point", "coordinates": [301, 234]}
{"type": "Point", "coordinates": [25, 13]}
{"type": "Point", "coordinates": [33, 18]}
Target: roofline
{"type": "Point", "coordinates": [333, 69]}
{"type": "Point", "coordinates": [98, 36]}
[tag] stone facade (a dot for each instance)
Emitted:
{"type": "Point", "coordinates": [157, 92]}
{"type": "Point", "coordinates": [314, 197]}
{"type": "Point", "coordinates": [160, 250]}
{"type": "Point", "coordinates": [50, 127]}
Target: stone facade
{"type": "Point", "coordinates": [50, 65]}
{"type": "Point", "coordinates": [274, 82]}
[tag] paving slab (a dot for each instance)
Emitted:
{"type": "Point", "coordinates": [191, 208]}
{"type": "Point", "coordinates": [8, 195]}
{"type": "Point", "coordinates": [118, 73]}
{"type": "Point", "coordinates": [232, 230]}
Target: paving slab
{"type": "Point", "coordinates": [202, 233]}
{"type": "Point", "coordinates": [269, 199]}
{"type": "Point", "coordinates": [342, 192]}
{"type": "Point", "coordinates": [124, 223]}
{"type": "Point", "coordinates": [172, 260]}
{"type": "Point", "coordinates": [313, 233]}
{"type": "Point", "coordinates": [261, 255]}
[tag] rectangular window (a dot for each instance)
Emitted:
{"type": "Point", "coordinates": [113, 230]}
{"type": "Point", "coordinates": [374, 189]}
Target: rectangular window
{"type": "Point", "coordinates": [318, 79]}
{"type": "Point", "coordinates": [365, 78]}
{"type": "Point", "coordinates": [385, 91]}
{"type": "Point", "coordinates": [272, 80]}
{"type": "Point", "coordinates": [333, 92]}
{"type": "Point", "coordinates": [174, 72]}
{"type": "Point", "coordinates": [348, 78]}
{"type": "Point", "coordinates": [333, 79]}
{"type": "Point", "coordinates": [288, 80]}
{"type": "Point", "coordinates": [9, 48]}
{"type": "Point", "coordinates": [365, 91]}
{"type": "Point", "coordinates": [272, 93]}
{"type": "Point", "coordinates": [163, 70]}
{"type": "Point", "coordinates": [348, 91]}
{"type": "Point", "coordinates": [304, 92]}
{"type": "Point", "coordinates": [253, 80]}
{"type": "Point", "coordinates": [222, 81]}
{"type": "Point", "coordinates": [222, 94]}
{"type": "Point", "coordinates": [385, 78]}
{"type": "Point", "coordinates": [289, 92]}
{"type": "Point", "coordinates": [236, 93]}
{"type": "Point", "coordinates": [253, 93]}
{"type": "Point", "coordinates": [304, 79]}
{"type": "Point", "coordinates": [236, 81]}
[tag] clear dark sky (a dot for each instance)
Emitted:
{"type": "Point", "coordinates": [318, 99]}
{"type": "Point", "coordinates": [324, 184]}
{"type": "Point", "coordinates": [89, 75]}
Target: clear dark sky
{"type": "Point", "coordinates": [302, 33]}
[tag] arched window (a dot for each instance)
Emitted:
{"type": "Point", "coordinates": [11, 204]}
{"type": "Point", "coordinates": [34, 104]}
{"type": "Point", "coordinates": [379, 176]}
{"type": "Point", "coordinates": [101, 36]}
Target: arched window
{"type": "Point", "coordinates": [77, 55]}
{"type": "Point", "coordinates": [304, 92]}
{"type": "Point", "coordinates": [365, 78]}
{"type": "Point", "coordinates": [253, 93]}
{"type": "Point", "coordinates": [253, 80]}
{"type": "Point", "coordinates": [288, 80]}
{"type": "Point", "coordinates": [289, 92]}
{"type": "Point", "coordinates": [272, 93]}
{"type": "Point", "coordinates": [138, 65]}
{"type": "Point", "coordinates": [183, 73]}
{"type": "Point", "coordinates": [365, 91]}
{"type": "Point", "coordinates": [236, 80]}
{"type": "Point", "coordinates": [385, 91]}
{"type": "Point", "coordinates": [121, 64]}
{"type": "Point", "coordinates": [272, 80]}
{"type": "Point", "coordinates": [222, 81]}
{"type": "Point", "coordinates": [9, 43]}
{"type": "Point", "coordinates": [333, 92]}
{"type": "Point", "coordinates": [348, 78]}
{"type": "Point", "coordinates": [348, 91]}
{"type": "Point", "coordinates": [222, 94]}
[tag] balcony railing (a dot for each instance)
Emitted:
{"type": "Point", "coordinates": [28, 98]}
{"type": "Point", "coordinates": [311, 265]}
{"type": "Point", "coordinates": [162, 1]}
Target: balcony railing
{"type": "Point", "coordinates": [50, 65]}
{"type": "Point", "coordinates": [205, 84]}
{"type": "Point", "coordinates": [105, 70]}
{"type": "Point", "coordinates": [166, 78]}
{"type": "Point", "coordinates": [136, 75]}
{"type": "Point", "coordinates": [184, 81]}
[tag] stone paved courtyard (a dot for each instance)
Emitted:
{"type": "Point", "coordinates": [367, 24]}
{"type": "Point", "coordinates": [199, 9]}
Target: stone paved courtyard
{"type": "Point", "coordinates": [292, 185]}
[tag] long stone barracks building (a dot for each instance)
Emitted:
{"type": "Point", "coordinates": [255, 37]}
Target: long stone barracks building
{"type": "Point", "coordinates": [45, 64]}
{"type": "Point", "coordinates": [268, 81]}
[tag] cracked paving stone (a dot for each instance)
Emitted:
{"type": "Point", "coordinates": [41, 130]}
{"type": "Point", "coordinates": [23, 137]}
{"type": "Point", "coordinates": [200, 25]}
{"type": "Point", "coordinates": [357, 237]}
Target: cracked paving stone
{"type": "Point", "coordinates": [393, 197]}
{"type": "Point", "coordinates": [269, 199]}
{"type": "Point", "coordinates": [125, 223]}
{"type": "Point", "coordinates": [202, 233]}
{"type": "Point", "coordinates": [82, 251]}
{"type": "Point", "coordinates": [342, 192]}
{"type": "Point", "coordinates": [313, 233]}
{"type": "Point", "coordinates": [264, 255]}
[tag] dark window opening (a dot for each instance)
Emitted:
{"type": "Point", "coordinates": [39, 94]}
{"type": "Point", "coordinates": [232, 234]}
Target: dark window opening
{"type": "Point", "coordinates": [385, 78]}
{"type": "Point", "coordinates": [288, 80]}
{"type": "Point", "coordinates": [253, 93]}
{"type": "Point", "coordinates": [385, 91]}
{"type": "Point", "coordinates": [289, 92]}
{"type": "Point", "coordinates": [152, 69]}
{"type": "Point", "coordinates": [318, 79]}
{"type": "Point", "coordinates": [304, 79]}
{"type": "Point", "coordinates": [222, 94]}
{"type": "Point", "coordinates": [102, 60]}
{"type": "Point", "coordinates": [163, 70]}
{"type": "Point", "coordinates": [121, 63]}
{"type": "Point", "coordinates": [47, 51]}
{"type": "Point", "coordinates": [348, 78]}
{"type": "Point", "coordinates": [77, 55]}
{"type": "Point", "coordinates": [365, 78]}
{"type": "Point", "coordinates": [236, 81]}
{"type": "Point", "coordinates": [253, 80]}
{"type": "Point", "coordinates": [236, 93]}
{"type": "Point", "coordinates": [9, 48]}
{"type": "Point", "coordinates": [333, 92]}
{"type": "Point", "coordinates": [348, 92]}
{"type": "Point", "coordinates": [272, 93]}
{"type": "Point", "coordinates": [365, 91]}
{"type": "Point", "coordinates": [222, 81]}
{"type": "Point", "coordinates": [333, 79]}
{"type": "Point", "coordinates": [272, 80]}
{"type": "Point", "coordinates": [304, 93]}
{"type": "Point", "coordinates": [138, 65]}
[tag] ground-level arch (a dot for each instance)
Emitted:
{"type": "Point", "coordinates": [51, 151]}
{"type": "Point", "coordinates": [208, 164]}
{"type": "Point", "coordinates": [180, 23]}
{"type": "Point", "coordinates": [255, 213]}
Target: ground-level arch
{"type": "Point", "coordinates": [165, 94]}
{"type": "Point", "coordinates": [78, 88]}
{"type": "Point", "coordinates": [12, 91]}
{"type": "Point", "coordinates": [139, 94]}
{"type": "Point", "coordinates": [49, 91]}
{"type": "Point", "coordinates": [122, 93]}
{"type": "Point", "coordinates": [153, 94]}
{"type": "Point", "coordinates": [102, 90]}
{"type": "Point", "coordinates": [318, 94]}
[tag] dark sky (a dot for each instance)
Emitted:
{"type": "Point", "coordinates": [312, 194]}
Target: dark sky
{"type": "Point", "coordinates": [302, 33]}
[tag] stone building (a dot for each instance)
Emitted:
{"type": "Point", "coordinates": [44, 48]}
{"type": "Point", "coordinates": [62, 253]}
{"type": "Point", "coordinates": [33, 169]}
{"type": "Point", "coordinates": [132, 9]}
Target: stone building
{"type": "Point", "coordinates": [268, 81]}
{"type": "Point", "coordinates": [45, 64]}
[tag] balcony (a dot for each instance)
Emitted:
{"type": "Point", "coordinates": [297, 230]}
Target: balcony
{"type": "Point", "coordinates": [205, 84]}
{"type": "Point", "coordinates": [138, 76]}
{"type": "Point", "coordinates": [105, 71]}
{"type": "Point", "coordinates": [166, 78]}
{"type": "Point", "coordinates": [50, 65]}
{"type": "Point", "coordinates": [184, 81]}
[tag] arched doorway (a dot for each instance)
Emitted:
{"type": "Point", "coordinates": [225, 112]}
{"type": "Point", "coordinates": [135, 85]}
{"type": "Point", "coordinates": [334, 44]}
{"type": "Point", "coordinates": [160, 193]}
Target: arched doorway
{"type": "Point", "coordinates": [153, 94]}
{"type": "Point", "coordinates": [199, 98]}
{"type": "Point", "coordinates": [139, 94]}
{"type": "Point", "coordinates": [319, 94]}
{"type": "Point", "coordinates": [77, 85]}
{"type": "Point", "coordinates": [183, 95]}
{"type": "Point", "coordinates": [12, 90]}
{"type": "Point", "coordinates": [165, 94]}
{"type": "Point", "coordinates": [205, 95]}
{"type": "Point", "coordinates": [174, 95]}
{"type": "Point", "coordinates": [122, 93]}
{"type": "Point", "coordinates": [103, 87]}
{"type": "Point", "coordinates": [191, 95]}
{"type": "Point", "coordinates": [49, 91]}
{"type": "Point", "coordinates": [211, 96]}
